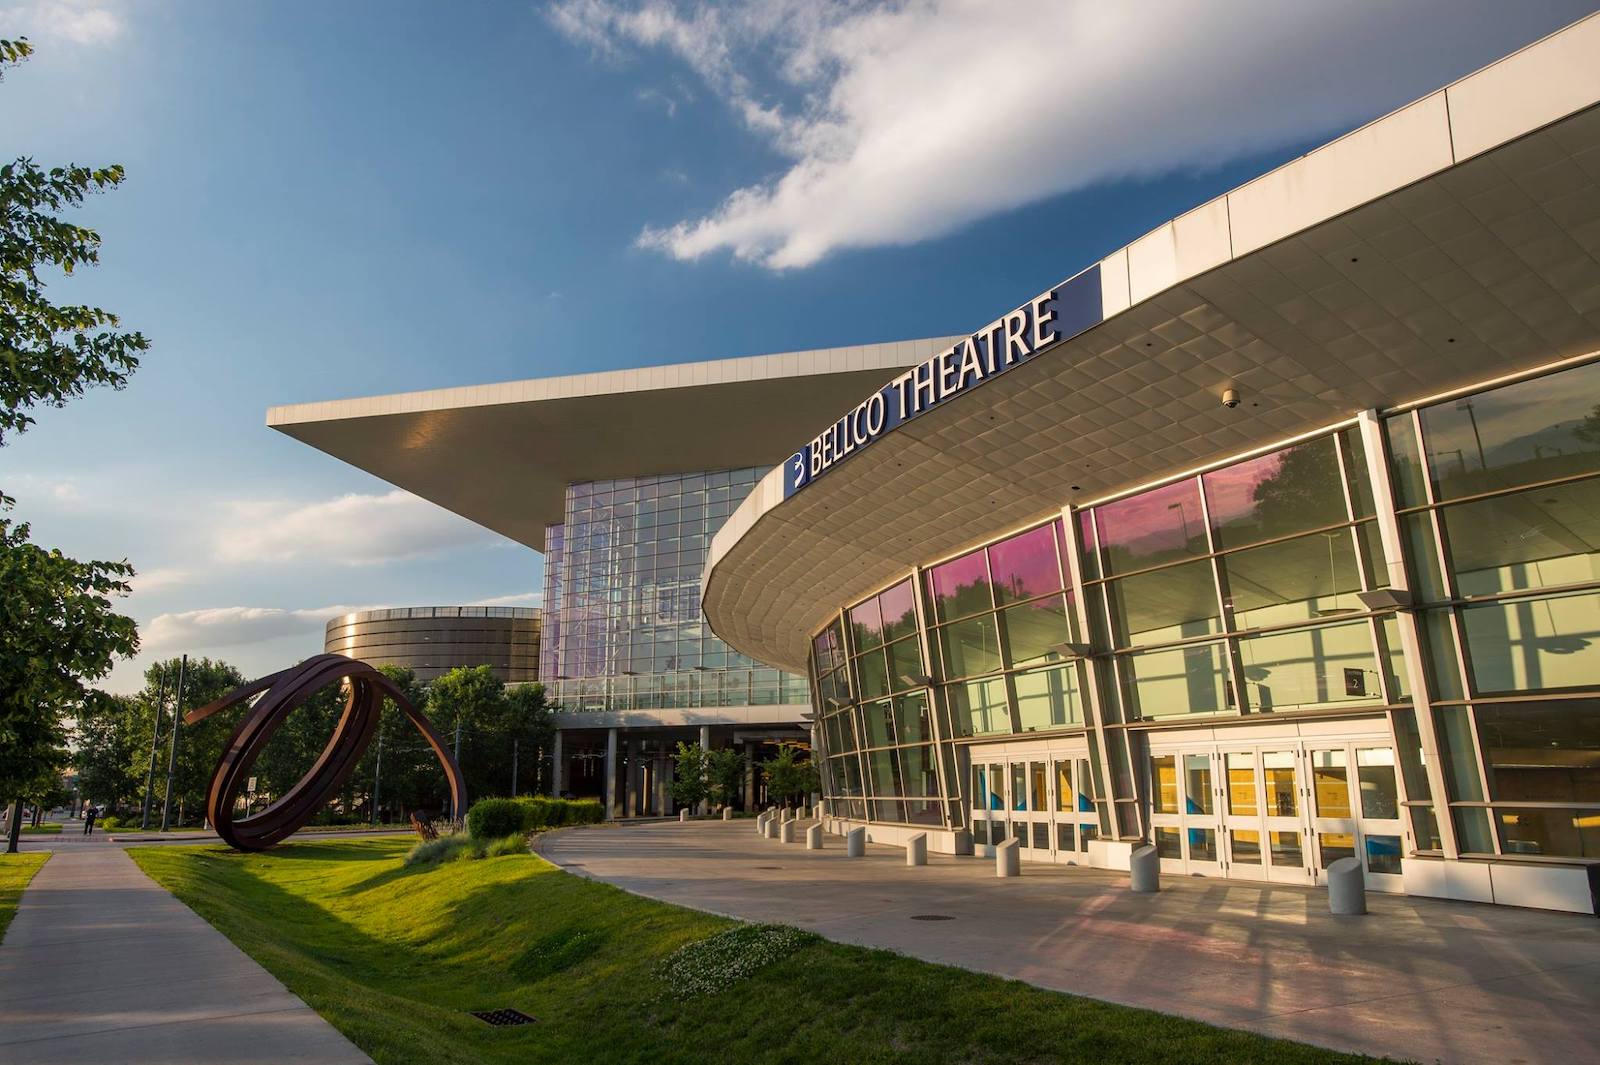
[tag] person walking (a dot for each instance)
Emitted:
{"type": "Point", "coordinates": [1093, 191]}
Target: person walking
{"type": "Point", "coordinates": [88, 820]}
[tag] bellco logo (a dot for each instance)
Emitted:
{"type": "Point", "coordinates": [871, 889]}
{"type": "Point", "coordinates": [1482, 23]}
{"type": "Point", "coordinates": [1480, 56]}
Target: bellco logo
{"type": "Point", "coordinates": [1057, 314]}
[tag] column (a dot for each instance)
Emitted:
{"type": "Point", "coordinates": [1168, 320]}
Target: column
{"type": "Point", "coordinates": [555, 764]}
{"type": "Point", "coordinates": [631, 780]}
{"type": "Point", "coordinates": [611, 773]}
{"type": "Point", "coordinates": [705, 747]}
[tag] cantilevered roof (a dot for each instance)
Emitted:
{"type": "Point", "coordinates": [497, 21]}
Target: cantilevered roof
{"type": "Point", "coordinates": [1451, 242]}
{"type": "Point", "coordinates": [503, 454]}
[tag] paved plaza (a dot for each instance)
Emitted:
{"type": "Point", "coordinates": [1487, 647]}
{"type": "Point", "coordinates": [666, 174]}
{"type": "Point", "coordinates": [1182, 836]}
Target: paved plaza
{"type": "Point", "coordinates": [1429, 981]}
{"type": "Point", "coordinates": [103, 965]}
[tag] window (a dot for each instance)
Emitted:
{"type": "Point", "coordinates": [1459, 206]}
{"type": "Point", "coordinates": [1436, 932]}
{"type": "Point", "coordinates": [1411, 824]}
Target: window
{"type": "Point", "coordinates": [1286, 492]}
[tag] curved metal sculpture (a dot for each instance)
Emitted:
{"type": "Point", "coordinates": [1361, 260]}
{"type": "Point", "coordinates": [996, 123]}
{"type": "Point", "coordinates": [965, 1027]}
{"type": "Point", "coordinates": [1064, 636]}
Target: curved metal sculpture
{"type": "Point", "coordinates": [285, 691]}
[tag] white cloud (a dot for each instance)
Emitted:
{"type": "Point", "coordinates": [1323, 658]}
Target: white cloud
{"type": "Point", "coordinates": [77, 21]}
{"type": "Point", "coordinates": [353, 530]}
{"type": "Point", "coordinates": [160, 578]}
{"type": "Point", "coordinates": [518, 599]}
{"type": "Point", "coordinates": [907, 120]}
{"type": "Point", "coordinates": [232, 626]}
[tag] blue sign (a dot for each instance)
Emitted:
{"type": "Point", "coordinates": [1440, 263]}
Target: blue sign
{"type": "Point", "coordinates": [1010, 340]}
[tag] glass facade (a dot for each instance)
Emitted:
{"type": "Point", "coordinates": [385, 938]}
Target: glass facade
{"type": "Point", "coordinates": [623, 628]}
{"type": "Point", "coordinates": [1243, 592]}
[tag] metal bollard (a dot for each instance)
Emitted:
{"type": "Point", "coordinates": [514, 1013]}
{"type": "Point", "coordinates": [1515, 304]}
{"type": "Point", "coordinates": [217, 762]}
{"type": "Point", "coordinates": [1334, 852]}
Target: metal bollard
{"type": "Point", "coordinates": [917, 849]}
{"type": "Point", "coordinates": [855, 843]}
{"type": "Point", "coordinates": [683, 816]}
{"type": "Point", "coordinates": [1007, 861]}
{"type": "Point", "coordinates": [1144, 869]}
{"type": "Point", "coordinates": [1347, 888]}
{"type": "Point", "coordinates": [814, 838]}
{"type": "Point", "coordinates": [727, 813]}
{"type": "Point", "coordinates": [786, 832]}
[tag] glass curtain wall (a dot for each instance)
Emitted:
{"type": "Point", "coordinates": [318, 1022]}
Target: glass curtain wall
{"type": "Point", "coordinates": [1498, 496]}
{"type": "Point", "coordinates": [622, 599]}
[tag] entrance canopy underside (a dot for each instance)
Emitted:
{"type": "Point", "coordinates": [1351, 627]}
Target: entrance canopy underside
{"type": "Point", "coordinates": [1454, 241]}
{"type": "Point", "coordinates": [502, 455]}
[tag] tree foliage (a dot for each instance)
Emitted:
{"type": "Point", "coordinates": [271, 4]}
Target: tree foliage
{"type": "Point", "coordinates": [689, 785]}
{"type": "Point", "coordinates": [725, 772]}
{"type": "Point", "coordinates": [49, 352]}
{"type": "Point", "coordinates": [788, 776]}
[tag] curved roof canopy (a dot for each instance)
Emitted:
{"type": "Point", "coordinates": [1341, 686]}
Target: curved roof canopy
{"type": "Point", "coordinates": [1452, 241]}
{"type": "Point", "coordinates": [502, 455]}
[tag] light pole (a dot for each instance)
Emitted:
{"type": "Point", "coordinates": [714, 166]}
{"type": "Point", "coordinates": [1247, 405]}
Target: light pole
{"type": "Point", "coordinates": [155, 743]}
{"type": "Point", "coordinates": [377, 776]}
{"type": "Point", "coordinates": [172, 749]}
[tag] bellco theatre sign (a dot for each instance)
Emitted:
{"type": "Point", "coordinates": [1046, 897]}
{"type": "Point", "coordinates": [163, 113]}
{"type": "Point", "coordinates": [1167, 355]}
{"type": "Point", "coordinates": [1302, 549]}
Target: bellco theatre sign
{"type": "Point", "coordinates": [1010, 340]}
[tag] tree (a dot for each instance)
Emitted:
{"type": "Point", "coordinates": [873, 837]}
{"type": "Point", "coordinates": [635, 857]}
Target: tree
{"type": "Point", "coordinates": [725, 769]}
{"type": "Point", "coordinates": [110, 769]}
{"type": "Point", "coordinates": [468, 707]}
{"type": "Point", "coordinates": [58, 632]}
{"type": "Point", "coordinates": [787, 777]}
{"type": "Point", "coordinates": [50, 353]}
{"type": "Point", "coordinates": [529, 724]}
{"type": "Point", "coordinates": [689, 774]}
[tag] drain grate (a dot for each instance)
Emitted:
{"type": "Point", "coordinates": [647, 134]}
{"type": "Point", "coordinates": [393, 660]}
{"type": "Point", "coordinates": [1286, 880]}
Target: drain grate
{"type": "Point", "coordinates": [502, 1018]}
{"type": "Point", "coordinates": [931, 917]}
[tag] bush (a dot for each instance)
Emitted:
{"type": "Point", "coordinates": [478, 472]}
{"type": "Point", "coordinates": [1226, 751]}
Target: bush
{"type": "Point", "coordinates": [513, 844]}
{"type": "Point", "coordinates": [110, 824]}
{"type": "Point", "coordinates": [494, 818]}
{"type": "Point", "coordinates": [444, 849]}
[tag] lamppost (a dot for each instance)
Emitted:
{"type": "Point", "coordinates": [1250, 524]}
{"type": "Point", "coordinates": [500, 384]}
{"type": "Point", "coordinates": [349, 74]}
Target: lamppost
{"type": "Point", "coordinates": [172, 749]}
{"type": "Point", "coordinates": [155, 743]}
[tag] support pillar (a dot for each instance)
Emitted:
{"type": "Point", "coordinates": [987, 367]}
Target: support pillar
{"type": "Point", "coordinates": [611, 773]}
{"type": "Point", "coordinates": [555, 765]}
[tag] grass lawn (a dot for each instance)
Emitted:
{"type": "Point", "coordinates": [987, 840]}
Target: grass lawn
{"type": "Point", "coordinates": [394, 956]}
{"type": "Point", "coordinates": [43, 828]}
{"type": "Point", "coordinates": [15, 872]}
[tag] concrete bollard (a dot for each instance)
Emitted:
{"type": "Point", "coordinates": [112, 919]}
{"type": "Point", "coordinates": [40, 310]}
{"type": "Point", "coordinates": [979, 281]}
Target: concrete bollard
{"type": "Point", "coordinates": [786, 832]}
{"type": "Point", "coordinates": [855, 843]}
{"type": "Point", "coordinates": [761, 823]}
{"type": "Point", "coordinates": [917, 849]}
{"type": "Point", "coordinates": [771, 831]}
{"type": "Point", "coordinates": [1347, 888]}
{"type": "Point", "coordinates": [727, 813]}
{"type": "Point", "coordinates": [1007, 860]}
{"type": "Point", "coordinates": [1144, 870]}
{"type": "Point", "coordinates": [683, 816]}
{"type": "Point", "coordinates": [963, 842]}
{"type": "Point", "coordinates": [814, 838]}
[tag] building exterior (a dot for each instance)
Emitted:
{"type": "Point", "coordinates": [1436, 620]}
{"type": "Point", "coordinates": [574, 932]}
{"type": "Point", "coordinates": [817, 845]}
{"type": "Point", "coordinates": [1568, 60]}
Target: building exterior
{"type": "Point", "coordinates": [1268, 540]}
{"type": "Point", "coordinates": [625, 520]}
{"type": "Point", "coordinates": [432, 640]}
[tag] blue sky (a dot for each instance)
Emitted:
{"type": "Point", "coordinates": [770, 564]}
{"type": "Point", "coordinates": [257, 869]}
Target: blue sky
{"type": "Point", "coordinates": [331, 200]}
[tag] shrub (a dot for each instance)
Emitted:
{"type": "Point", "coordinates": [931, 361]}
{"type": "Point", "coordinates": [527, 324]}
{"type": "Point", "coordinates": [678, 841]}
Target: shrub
{"type": "Point", "coordinates": [110, 824]}
{"type": "Point", "coordinates": [513, 844]}
{"type": "Point", "coordinates": [444, 849]}
{"type": "Point", "coordinates": [715, 963]}
{"type": "Point", "coordinates": [494, 818]}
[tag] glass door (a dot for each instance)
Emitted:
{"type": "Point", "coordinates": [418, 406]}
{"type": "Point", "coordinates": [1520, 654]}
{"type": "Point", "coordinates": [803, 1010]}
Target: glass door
{"type": "Point", "coordinates": [1074, 819]}
{"type": "Point", "coordinates": [1357, 810]}
{"type": "Point", "coordinates": [988, 805]}
{"type": "Point", "coordinates": [1262, 819]}
{"type": "Point", "coordinates": [1185, 819]}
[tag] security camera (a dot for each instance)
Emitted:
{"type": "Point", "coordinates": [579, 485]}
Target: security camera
{"type": "Point", "coordinates": [1230, 398]}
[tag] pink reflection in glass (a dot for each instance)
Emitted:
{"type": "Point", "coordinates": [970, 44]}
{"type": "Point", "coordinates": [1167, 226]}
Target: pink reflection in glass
{"type": "Point", "coordinates": [1025, 565]}
{"type": "Point", "coordinates": [1152, 527]}
{"type": "Point", "coordinates": [899, 611]}
{"type": "Point", "coordinates": [959, 586]}
{"type": "Point", "coordinates": [1231, 492]}
{"type": "Point", "coordinates": [866, 625]}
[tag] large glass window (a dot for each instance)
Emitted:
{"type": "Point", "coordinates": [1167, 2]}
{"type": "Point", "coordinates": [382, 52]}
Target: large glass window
{"type": "Point", "coordinates": [1165, 605]}
{"type": "Point", "coordinates": [1286, 492]}
{"type": "Point", "coordinates": [1542, 752]}
{"type": "Point", "coordinates": [1152, 528]}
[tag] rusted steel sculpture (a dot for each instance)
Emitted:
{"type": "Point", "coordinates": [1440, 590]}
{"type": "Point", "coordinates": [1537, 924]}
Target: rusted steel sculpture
{"type": "Point", "coordinates": [284, 691]}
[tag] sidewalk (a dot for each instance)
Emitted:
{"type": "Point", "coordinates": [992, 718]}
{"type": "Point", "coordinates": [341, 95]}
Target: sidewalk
{"type": "Point", "coordinates": [1416, 978]}
{"type": "Point", "coordinates": [101, 964]}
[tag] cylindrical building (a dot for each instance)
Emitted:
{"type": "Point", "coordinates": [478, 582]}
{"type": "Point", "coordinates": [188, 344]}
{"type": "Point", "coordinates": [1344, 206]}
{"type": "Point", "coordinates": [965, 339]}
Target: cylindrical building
{"type": "Point", "coordinates": [432, 640]}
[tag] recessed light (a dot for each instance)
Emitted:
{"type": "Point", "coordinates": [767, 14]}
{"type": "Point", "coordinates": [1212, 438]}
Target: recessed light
{"type": "Point", "coordinates": [1076, 488]}
{"type": "Point", "coordinates": [1355, 259]}
{"type": "Point", "coordinates": [1449, 340]}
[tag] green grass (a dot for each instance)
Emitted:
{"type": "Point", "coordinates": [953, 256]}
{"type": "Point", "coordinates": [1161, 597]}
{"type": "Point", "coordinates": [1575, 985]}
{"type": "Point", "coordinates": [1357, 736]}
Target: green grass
{"type": "Point", "coordinates": [44, 828]}
{"type": "Point", "coordinates": [15, 872]}
{"type": "Point", "coordinates": [395, 955]}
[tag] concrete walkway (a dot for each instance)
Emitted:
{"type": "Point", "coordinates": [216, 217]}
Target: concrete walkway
{"type": "Point", "coordinates": [1418, 979]}
{"type": "Point", "coordinates": [103, 965]}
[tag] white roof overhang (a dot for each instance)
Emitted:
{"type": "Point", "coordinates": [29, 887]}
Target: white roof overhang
{"type": "Point", "coordinates": [502, 455]}
{"type": "Point", "coordinates": [1453, 241]}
